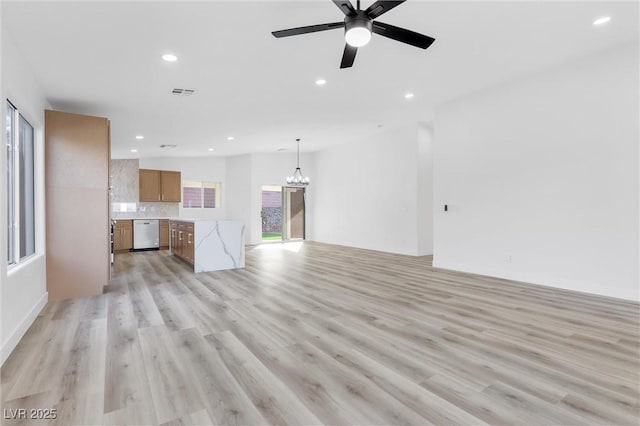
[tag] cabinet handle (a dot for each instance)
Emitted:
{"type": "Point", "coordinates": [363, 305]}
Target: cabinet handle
{"type": "Point", "coordinates": [162, 197]}
{"type": "Point", "coordinates": [189, 238]}
{"type": "Point", "coordinates": [180, 235]}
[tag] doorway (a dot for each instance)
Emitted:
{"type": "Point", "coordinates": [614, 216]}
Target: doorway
{"type": "Point", "coordinates": [293, 213]}
{"type": "Point", "coordinates": [271, 213]}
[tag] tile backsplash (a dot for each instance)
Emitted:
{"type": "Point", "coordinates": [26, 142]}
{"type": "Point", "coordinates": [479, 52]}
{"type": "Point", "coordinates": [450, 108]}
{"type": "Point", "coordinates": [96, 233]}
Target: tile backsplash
{"type": "Point", "coordinates": [125, 198]}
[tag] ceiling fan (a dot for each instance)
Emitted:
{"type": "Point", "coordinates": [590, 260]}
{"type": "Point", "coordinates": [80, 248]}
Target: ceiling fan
{"type": "Point", "coordinates": [358, 25]}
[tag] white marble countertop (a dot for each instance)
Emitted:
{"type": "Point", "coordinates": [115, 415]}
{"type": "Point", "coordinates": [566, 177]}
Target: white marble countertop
{"type": "Point", "coordinates": [142, 218]}
{"type": "Point", "coordinates": [188, 219]}
{"type": "Point", "coordinates": [178, 219]}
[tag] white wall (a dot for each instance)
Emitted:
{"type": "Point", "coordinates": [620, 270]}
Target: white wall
{"type": "Point", "coordinates": [239, 184]}
{"type": "Point", "coordinates": [425, 189]}
{"type": "Point", "coordinates": [23, 287]}
{"type": "Point", "coordinates": [541, 177]}
{"type": "Point", "coordinates": [206, 169]}
{"type": "Point", "coordinates": [366, 193]}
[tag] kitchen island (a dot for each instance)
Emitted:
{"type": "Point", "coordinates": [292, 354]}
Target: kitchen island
{"type": "Point", "coordinates": [208, 245]}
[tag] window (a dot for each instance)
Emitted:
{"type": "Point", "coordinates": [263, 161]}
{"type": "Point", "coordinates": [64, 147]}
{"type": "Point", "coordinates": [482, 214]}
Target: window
{"type": "Point", "coordinates": [20, 186]}
{"type": "Point", "coordinates": [200, 195]}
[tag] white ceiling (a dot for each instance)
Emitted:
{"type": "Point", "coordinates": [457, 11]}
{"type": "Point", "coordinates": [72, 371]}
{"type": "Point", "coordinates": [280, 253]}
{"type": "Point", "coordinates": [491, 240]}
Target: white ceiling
{"type": "Point", "coordinates": [104, 58]}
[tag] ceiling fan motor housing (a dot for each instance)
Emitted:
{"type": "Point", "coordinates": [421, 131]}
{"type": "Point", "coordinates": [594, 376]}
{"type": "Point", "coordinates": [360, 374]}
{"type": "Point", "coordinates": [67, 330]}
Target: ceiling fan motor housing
{"type": "Point", "coordinates": [359, 20]}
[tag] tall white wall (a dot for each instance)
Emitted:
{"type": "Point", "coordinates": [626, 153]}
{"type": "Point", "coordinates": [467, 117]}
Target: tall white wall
{"type": "Point", "coordinates": [23, 291]}
{"type": "Point", "coordinates": [205, 169]}
{"type": "Point", "coordinates": [239, 191]}
{"type": "Point", "coordinates": [425, 189]}
{"type": "Point", "coordinates": [366, 193]}
{"type": "Point", "coordinates": [541, 178]}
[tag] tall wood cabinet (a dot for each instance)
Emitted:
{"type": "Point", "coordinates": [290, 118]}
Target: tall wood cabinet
{"type": "Point", "coordinates": [159, 186]}
{"type": "Point", "coordinates": [77, 154]}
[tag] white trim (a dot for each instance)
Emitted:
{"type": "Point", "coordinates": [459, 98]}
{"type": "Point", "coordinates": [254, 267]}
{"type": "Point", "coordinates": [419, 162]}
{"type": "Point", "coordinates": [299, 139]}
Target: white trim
{"type": "Point", "coordinates": [22, 328]}
{"type": "Point", "coordinates": [14, 267]}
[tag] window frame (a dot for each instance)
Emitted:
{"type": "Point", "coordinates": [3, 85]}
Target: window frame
{"type": "Point", "coordinates": [188, 183]}
{"type": "Point", "coordinates": [15, 205]}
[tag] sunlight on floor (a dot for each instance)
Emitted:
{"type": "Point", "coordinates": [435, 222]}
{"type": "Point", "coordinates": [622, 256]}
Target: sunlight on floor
{"type": "Point", "coordinates": [294, 247]}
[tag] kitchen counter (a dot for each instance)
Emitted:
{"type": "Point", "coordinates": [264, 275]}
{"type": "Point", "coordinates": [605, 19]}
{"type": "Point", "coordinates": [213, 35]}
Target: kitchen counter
{"type": "Point", "coordinates": [142, 218]}
{"type": "Point", "coordinates": [210, 245]}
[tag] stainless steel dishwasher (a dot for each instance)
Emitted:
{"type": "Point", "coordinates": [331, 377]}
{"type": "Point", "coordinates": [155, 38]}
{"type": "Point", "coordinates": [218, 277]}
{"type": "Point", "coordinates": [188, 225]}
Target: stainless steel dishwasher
{"type": "Point", "coordinates": [146, 234]}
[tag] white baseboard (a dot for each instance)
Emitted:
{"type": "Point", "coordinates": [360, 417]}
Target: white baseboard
{"type": "Point", "coordinates": [591, 288]}
{"type": "Point", "coordinates": [22, 328]}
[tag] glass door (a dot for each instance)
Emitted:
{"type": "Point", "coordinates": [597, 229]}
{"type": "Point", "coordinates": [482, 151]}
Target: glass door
{"type": "Point", "coordinates": [271, 213]}
{"type": "Point", "coordinates": [293, 206]}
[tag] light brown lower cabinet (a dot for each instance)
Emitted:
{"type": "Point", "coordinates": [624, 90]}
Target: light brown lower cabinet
{"type": "Point", "coordinates": [123, 236]}
{"type": "Point", "coordinates": [182, 244]}
{"type": "Point", "coordinates": [164, 234]}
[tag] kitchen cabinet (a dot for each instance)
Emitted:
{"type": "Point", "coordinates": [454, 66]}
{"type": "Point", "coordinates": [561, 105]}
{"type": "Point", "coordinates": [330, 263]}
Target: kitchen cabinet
{"type": "Point", "coordinates": [164, 234]}
{"type": "Point", "coordinates": [220, 243]}
{"type": "Point", "coordinates": [173, 236]}
{"type": "Point", "coordinates": [76, 210]}
{"type": "Point", "coordinates": [123, 236]}
{"type": "Point", "coordinates": [182, 240]}
{"type": "Point", "coordinates": [159, 186]}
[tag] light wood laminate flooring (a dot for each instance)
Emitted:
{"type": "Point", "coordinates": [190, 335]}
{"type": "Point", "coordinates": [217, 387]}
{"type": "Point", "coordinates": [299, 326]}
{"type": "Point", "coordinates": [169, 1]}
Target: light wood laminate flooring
{"type": "Point", "coordinates": [311, 333]}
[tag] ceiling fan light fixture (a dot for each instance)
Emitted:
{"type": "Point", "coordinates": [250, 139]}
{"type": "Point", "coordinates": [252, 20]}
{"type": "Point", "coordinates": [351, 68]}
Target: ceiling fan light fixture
{"type": "Point", "coordinates": [357, 36]}
{"type": "Point", "coordinates": [358, 27]}
{"type": "Point", "coordinates": [358, 30]}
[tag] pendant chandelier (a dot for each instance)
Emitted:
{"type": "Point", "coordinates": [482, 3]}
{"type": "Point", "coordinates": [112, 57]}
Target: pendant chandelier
{"type": "Point", "coordinates": [297, 178]}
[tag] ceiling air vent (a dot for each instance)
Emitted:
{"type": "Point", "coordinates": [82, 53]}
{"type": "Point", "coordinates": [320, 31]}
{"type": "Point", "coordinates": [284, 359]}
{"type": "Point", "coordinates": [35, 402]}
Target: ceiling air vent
{"type": "Point", "coordinates": [168, 146]}
{"type": "Point", "coordinates": [182, 92]}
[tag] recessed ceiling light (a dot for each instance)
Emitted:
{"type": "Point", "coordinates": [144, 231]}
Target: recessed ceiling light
{"type": "Point", "coordinates": [321, 82]}
{"type": "Point", "coordinates": [408, 96]}
{"type": "Point", "coordinates": [230, 138]}
{"type": "Point", "coordinates": [139, 137]}
{"type": "Point", "coordinates": [169, 57]}
{"type": "Point", "coordinates": [281, 149]}
{"type": "Point", "coordinates": [134, 150]}
{"type": "Point", "coordinates": [210, 149]}
{"type": "Point", "coordinates": [602, 20]}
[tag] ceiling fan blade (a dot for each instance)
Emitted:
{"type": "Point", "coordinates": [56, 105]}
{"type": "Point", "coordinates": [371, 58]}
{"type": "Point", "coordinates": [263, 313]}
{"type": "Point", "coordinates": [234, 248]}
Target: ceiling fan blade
{"type": "Point", "coordinates": [380, 7]}
{"type": "Point", "coordinates": [402, 35]}
{"type": "Point", "coordinates": [307, 29]}
{"type": "Point", "coordinates": [345, 6]}
{"type": "Point", "coordinates": [348, 56]}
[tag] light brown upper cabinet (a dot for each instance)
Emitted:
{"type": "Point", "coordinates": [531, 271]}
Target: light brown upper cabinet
{"type": "Point", "coordinates": [160, 186]}
{"type": "Point", "coordinates": [171, 188]}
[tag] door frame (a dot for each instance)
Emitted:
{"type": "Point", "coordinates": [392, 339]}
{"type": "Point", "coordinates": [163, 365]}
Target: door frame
{"type": "Point", "coordinates": [285, 214]}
